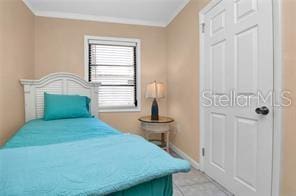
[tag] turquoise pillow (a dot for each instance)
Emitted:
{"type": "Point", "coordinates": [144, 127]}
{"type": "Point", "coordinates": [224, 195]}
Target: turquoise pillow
{"type": "Point", "coordinates": [65, 106]}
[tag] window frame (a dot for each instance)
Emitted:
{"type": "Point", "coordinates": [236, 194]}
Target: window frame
{"type": "Point", "coordinates": [138, 68]}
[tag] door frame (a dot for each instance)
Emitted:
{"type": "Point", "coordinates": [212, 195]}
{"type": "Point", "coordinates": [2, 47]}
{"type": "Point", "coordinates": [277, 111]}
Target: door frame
{"type": "Point", "coordinates": [277, 87]}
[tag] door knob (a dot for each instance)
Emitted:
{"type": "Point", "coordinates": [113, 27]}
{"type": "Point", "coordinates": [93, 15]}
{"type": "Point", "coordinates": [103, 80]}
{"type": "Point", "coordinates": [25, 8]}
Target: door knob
{"type": "Point", "coordinates": [263, 110]}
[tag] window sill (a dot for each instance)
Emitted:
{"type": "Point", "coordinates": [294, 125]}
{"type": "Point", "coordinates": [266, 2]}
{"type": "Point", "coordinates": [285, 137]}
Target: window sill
{"type": "Point", "coordinates": [137, 109]}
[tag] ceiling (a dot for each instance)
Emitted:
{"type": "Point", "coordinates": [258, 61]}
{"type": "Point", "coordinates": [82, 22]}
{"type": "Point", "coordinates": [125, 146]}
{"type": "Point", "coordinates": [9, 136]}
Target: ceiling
{"type": "Point", "coordinates": [141, 12]}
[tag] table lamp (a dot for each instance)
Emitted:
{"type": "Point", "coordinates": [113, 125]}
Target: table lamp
{"type": "Point", "coordinates": [154, 90]}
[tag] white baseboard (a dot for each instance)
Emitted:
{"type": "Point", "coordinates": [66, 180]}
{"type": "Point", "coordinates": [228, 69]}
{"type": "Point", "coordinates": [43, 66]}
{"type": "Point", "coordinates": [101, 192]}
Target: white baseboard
{"type": "Point", "coordinates": [183, 155]}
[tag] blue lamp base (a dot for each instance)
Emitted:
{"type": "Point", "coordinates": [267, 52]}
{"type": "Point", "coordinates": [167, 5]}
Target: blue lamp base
{"type": "Point", "coordinates": [154, 110]}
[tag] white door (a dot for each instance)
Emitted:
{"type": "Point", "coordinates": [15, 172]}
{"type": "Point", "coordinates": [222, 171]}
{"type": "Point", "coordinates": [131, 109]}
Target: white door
{"type": "Point", "coordinates": [238, 63]}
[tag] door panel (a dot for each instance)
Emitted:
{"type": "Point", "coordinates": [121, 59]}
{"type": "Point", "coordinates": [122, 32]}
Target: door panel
{"type": "Point", "coordinates": [217, 56]}
{"type": "Point", "coordinates": [218, 122]}
{"type": "Point", "coordinates": [217, 23]}
{"type": "Point", "coordinates": [245, 151]}
{"type": "Point", "coordinates": [238, 45]}
{"type": "Point", "coordinates": [244, 8]}
{"type": "Point", "coordinates": [245, 66]}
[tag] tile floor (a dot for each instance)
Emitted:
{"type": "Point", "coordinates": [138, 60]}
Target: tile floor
{"type": "Point", "coordinates": [196, 183]}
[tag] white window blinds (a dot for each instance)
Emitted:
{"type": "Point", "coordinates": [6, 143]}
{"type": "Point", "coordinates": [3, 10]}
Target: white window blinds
{"type": "Point", "coordinates": [113, 64]}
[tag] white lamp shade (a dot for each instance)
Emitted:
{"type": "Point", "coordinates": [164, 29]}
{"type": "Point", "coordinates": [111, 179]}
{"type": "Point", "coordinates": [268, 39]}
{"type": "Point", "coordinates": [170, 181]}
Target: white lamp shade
{"type": "Point", "coordinates": [155, 90]}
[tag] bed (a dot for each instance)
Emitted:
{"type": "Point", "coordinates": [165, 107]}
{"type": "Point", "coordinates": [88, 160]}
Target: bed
{"type": "Point", "coordinates": [80, 156]}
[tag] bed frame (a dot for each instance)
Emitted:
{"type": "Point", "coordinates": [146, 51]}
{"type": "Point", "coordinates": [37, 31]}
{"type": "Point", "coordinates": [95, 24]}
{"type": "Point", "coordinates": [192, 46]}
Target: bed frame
{"type": "Point", "coordinates": [56, 83]}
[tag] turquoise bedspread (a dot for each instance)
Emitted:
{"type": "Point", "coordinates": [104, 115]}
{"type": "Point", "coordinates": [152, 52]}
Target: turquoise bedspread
{"type": "Point", "coordinates": [40, 132]}
{"type": "Point", "coordinates": [79, 160]}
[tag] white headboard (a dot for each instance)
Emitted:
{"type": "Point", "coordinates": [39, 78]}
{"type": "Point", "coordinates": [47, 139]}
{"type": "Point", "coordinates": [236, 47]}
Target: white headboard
{"type": "Point", "coordinates": [57, 83]}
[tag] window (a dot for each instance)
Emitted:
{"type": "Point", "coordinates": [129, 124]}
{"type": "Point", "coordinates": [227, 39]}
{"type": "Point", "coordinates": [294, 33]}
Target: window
{"type": "Point", "coordinates": [114, 62]}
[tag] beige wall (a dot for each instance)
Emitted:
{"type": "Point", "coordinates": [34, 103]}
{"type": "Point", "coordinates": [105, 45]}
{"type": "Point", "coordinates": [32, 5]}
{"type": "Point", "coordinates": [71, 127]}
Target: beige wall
{"type": "Point", "coordinates": [289, 58]}
{"type": "Point", "coordinates": [183, 76]}
{"type": "Point", "coordinates": [59, 46]}
{"type": "Point", "coordinates": [16, 61]}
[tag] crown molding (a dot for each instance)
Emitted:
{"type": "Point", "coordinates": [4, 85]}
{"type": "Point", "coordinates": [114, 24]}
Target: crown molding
{"type": "Point", "coordinates": [178, 10]}
{"type": "Point", "coordinates": [105, 18]}
{"type": "Point", "coordinates": [98, 18]}
{"type": "Point", "coordinates": [28, 4]}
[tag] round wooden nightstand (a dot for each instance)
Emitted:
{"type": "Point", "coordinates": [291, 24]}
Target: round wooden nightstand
{"type": "Point", "coordinates": [160, 126]}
